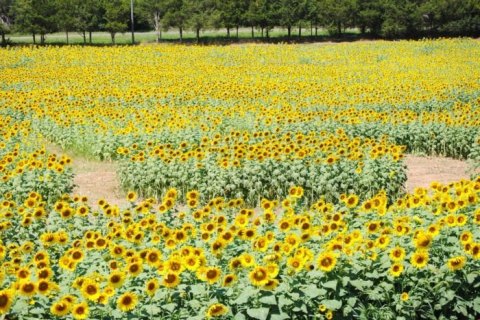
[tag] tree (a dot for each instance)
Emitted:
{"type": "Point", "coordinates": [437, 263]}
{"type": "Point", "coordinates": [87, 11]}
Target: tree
{"type": "Point", "coordinates": [65, 16]}
{"type": "Point", "coordinates": [116, 15]}
{"type": "Point", "coordinates": [201, 14]}
{"type": "Point", "coordinates": [154, 11]}
{"type": "Point", "coordinates": [370, 16]}
{"type": "Point", "coordinates": [177, 15]}
{"type": "Point", "coordinates": [337, 14]}
{"type": "Point", "coordinates": [88, 15]}
{"type": "Point", "coordinates": [232, 13]}
{"type": "Point", "coordinates": [5, 19]}
{"type": "Point", "coordinates": [35, 17]}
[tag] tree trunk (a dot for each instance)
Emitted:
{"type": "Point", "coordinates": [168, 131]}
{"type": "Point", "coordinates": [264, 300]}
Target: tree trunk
{"type": "Point", "coordinates": [262, 32]}
{"type": "Point", "coordinates": [42, 38]}
{"type": "Point", "coordinates": [311, 29]}
{"type": "Point", "coordinates": [237, 32]}
{"type": "Point", "coordinates": [228, 32]}
{"type": "Point", "coordinates": [300, 31]}
{"type": "Point", "coordinates": [90, 37]}
{"type": "Point", "coordinates": [339, 28]}
{"type": "Point", "coordinates": [253, 33]}
{"type": "Point", "coordinates": [267, 32]}
{"type": "Point", "coordinates": [66, 32]}
{"type": "Point", "coordinates": [198, 34]}
{"type": "Point", "coordinates": [112, 34]}
{"type": "Point", "coordinates": [156, 24]}
{"type": "Point", "coordinates": [180, 29]}
{"type": "Point", "coordinates": [289, 31]}
{"type": "Point", "coordinates": [316, 31]}
{"type": "Point", "coordinates": [84, 37]}
{"type": "Point", "coordinates": [4, 41]}
{"type": "Point", "coordinates": [34, 38]}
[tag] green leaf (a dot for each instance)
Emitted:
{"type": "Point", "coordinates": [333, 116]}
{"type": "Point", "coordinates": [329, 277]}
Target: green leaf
{"type": "Point", "coordinates": [471, 278]}
{"type": "Point", "coordinates": [331, 284]}
{"type": "Point", "coordinates": [283, 301]}
{"type": "Point", "coordinates": [312, 291]}
{"type": "Point", "coordinates": [476, 305]}
{"type": "Point", "coordinates": [281, 316]}
{"type": "Point", "coordinates": [258, 313]}
{"type": "Point", "coordinates": [268, 300]}
{"type": "Point", "coordinates": [332, 304]}
{"type": "Point", "coordinates": [169, 307]}
{"type": "Point", "coordinates": [152, 309]}
{"type": "Point", "coordinates": [245, 295]}
{"type": "Point", "coordinates": [239, 316]}
{"type": "Point", "coordinates": [351, 301]}
{"type": "Point", "coordinates": [361, 284]}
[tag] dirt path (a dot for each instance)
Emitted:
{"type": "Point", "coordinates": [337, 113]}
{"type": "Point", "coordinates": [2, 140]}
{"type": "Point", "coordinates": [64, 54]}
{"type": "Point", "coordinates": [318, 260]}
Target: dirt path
{"type": "Point", "coordinates": [94, 179]}
{"type": "Point", "coordinates": [421, 171]}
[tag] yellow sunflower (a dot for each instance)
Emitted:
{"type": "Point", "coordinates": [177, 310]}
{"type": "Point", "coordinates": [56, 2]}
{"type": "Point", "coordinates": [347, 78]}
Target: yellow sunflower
{"type": "Point", "coordinates": [419, 259]}
{"type": "Point", "coordinates": [217, 310]}
{"type": "Point", "coordinates": [151, 286]}
{"type": "Point", "coordinates": [90, 290]}
{"type": "Point", "coordinates": [6, 299]}
{"type": "Point", "coordinates": [171, 280]}
{"type": "Point", "coordinates": [456, 263]}
{"type": "Point", "coordinates": [80, 311]}
{"type": "Point", "coordinates": [396, 269]}
{"type": "Point", "coordinates": [326, 261]}
{"type": "Point", "coordinates": [127, 301]}
{"type": "Point", "coordinates": [259, 276]}
{"type": "Point", "coordinates": [116, 279]}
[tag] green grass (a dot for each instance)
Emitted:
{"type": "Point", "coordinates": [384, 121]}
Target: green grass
{"type": "Point", "coordinates": [244, 34]}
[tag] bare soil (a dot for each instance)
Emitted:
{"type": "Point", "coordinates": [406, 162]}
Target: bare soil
{"type": "Point", "coordinates": [94, 179]}
{"type": "Point", "coordinates": [422, 171]}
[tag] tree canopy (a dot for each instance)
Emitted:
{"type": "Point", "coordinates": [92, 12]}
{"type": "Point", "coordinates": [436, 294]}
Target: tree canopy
{"type": "Point", "coordinates": [377, 18]}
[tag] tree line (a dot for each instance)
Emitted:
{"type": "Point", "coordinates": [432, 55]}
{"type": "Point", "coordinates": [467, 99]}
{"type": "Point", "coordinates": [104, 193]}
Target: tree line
{"type": "Point", "coordinates": [375, 18]}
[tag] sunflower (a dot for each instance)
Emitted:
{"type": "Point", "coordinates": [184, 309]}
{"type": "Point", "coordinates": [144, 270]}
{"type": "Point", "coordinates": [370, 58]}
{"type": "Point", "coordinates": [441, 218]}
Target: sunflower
{"type": "Point", "coordinates": [397, 254]}
{"type": "Point", "coordinates": [131, 196]}
{"type": "Point", "coordinates": [259, 276]}
{"type": "Point", "coordinates": [404, 296]}
{"type": "Point", "coordinates": [212, 274]}
{"type": "Point", "coordinates": [351, 201]}
{"type": "Point", "coordinates": [295, 263]}
{"type": "Point", "coordinates": [45, 286]}
{"type": "Point", "coordinates": [229, 280]}
{"type": "Point", "coordinates": [419, 259]}
{"type": "Point", "coordinates": [134, 269]}
{"type": "Point", "coordinates": [151, 286]}
{"type": "Point", "coordinates": [326, 261]}
{"type": "Point", "coordinates": [217, 310]}
{"type": "Point", "coordinates": [456, 263]}
{"type": "Point", "coordinates": [80, 311]}
{"type": "Point", "coordinates": [127, 301]}
{"type": "Point", "coordinates": [423, 240]}
{"type": "Point", "coordinates": [171, 280]}
{"type": "Point", "coordinates": [90, 290]}
{"type": "Point", "coordinates": [174, 265]}
{"type": "Point", "coordinates": [6, 300]}
{"type": "Point", "coordinates": [271, 284]}
{"type": "Point", "coordinates": [116, 279]}
{"type": "Point", "coordinates": [396, 269]}
{"type": "Point", "coordinates": [247, 260]}
{"type": "Point", "coordinates": [27, 288]}
{"type": "Point", "coordinates": [60, 308]}
{"type": "Point", "coordinates": [153, 257]}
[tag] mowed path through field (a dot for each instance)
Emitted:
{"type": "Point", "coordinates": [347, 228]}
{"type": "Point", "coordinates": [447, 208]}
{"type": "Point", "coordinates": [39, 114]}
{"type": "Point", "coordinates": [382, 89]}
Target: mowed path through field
{"type": "Point", "coordinates": [99, 179]}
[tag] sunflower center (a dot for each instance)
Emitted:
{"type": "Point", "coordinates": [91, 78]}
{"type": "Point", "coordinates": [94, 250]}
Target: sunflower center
{"type": "Point", "coordinates": [3, 300]}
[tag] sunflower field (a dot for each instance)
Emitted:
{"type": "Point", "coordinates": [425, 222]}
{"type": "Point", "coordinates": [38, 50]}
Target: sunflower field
{"type": "Point", "coordinates": [262, 181]}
